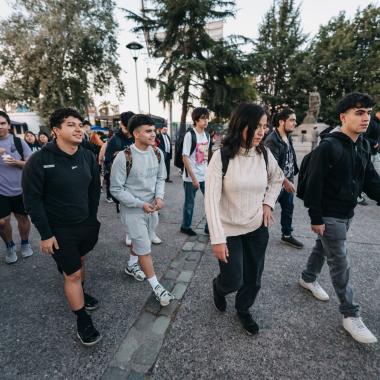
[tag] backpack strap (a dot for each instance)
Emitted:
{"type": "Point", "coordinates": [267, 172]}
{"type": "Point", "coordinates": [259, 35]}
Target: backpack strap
{"type": "Point", "coordinates": [19, 148]}
{"type": "Point", "coordinates": [226, 160]}
{"type": "Point", "coordinates": [193, 140]}
{"type": "Point", "coordinates": [128, 159]}
{"type": "Point", "coordinates": [157, 154]}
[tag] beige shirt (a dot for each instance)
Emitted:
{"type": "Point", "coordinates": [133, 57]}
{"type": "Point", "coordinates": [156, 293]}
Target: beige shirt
{"type": "Point", "coordinates": [234, 204]}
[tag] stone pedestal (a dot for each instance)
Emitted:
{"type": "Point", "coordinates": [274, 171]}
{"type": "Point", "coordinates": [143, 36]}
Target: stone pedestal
{"type": "Point", "coordinates": [306, 137]}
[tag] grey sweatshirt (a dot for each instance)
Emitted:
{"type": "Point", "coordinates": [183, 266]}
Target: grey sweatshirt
{"type": "Point", "coordinates": [146, 180]}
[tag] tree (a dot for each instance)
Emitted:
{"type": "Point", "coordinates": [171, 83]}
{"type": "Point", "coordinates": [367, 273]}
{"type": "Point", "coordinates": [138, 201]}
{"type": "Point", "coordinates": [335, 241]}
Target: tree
{"type": "Point", "coordinates": [278, 50]}
{"type": "Point", "coordinates": [183, 44]}
{"type": "Point", "coordinates": [344, 57]}
{"type": "Point", "coordinates": [56, 53]}
{"type": "Point", "coordinates": [228, 80]}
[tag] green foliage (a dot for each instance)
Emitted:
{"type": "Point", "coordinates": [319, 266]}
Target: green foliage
{"type": "Point", "coordinates": [345, 57]}
{"type": "Point", "coordinates": [57, 53]}
{"type": "Point", "coordinates": [277, 53]}
{"type": "Point", "coordinates": [183, 44]}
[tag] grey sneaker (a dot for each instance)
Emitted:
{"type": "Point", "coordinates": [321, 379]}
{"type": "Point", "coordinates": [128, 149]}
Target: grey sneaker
{"type": "Point", "coordinates": [162, 295]}
{"type": "Point", "coordinates": [11, 256]}
{"type": "Point", "coordinates": [26, 250]}
{"type": "Point", "coordinates": [135, 271]}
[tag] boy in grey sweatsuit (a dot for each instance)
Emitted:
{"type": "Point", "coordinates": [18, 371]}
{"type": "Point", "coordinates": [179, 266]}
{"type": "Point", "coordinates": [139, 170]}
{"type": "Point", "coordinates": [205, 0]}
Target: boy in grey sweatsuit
{"type": "Point", "coordinates": [140, 193]}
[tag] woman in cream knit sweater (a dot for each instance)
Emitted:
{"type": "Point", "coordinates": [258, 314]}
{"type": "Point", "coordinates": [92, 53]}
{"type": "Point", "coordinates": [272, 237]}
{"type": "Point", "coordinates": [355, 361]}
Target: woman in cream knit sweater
{"type": "Point", "coordinates": [239, 209]}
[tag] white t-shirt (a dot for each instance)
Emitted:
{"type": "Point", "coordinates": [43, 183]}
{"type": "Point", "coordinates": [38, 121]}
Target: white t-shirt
{"type": "Point", "coordinates": [199, 158]}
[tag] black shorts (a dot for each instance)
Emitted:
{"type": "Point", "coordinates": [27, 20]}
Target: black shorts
{"type": "Point", "coordinates": [74, 242]}
{"type": "Point", "coordinates": [11, 204]}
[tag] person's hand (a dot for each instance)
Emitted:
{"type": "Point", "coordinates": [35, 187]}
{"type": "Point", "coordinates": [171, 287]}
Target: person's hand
{"type": "Point", "coordinates": [268, 219]}
{"type": "Point", "coordinates": [220, 251]}
{"type": "Point", "coordinates": [195, 183]}
{"type": "Point", "coordinates": [289, 186]}
{"type": "Point", "coordinates": [2, 151]}
{"type": "Point", "coordinates": [47, 246]}
{"type": "Point", "coordinates": [318, 229]}
{"type": "Point", "coordinates": [9, 160]}
{"type": "Point", "coordinates": [159, 204]}
{"type": "Point", "coordinates": [148, 208]}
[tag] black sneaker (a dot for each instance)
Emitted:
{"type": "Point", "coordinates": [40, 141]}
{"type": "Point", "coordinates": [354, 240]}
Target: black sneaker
{"type": "Point", "coordinates": [90, 303]}
{"type": "Point", "coordinates": [206, 231]}
{"type": "Point", "coordinates": [89, 336]}
{"type": "Point", "coordinates": [290, 240]}
{"type": "Point", "coordinates": [188, 231]}
{"type": "Point", "coordinates": [219, 300]}
{"type": "Point", "coordinates": [248, 323]}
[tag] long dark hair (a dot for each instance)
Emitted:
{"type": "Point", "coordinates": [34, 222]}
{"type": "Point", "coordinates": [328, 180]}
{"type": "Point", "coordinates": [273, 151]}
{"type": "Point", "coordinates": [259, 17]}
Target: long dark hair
{"type": "Point", "coordinates": [244, 115]}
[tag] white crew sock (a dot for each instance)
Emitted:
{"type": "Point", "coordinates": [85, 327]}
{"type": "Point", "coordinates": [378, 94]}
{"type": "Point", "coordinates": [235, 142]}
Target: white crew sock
{"type": "Point", "coordinates": [153, 281]}
{"type": "Point", "coordinates": [133, 259]}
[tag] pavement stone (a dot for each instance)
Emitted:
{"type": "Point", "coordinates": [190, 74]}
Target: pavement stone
{"type": "Point", "coordinates": [185, 276]}
{"type": "Point", "coordinates": [193, 256]}
{"type": "Point", "coordinates": [199, 246]}
{"type": "Point", "coordinates": [188, 246]}
{"type": "Point", "coordinates": [190, 265]}
{"type": "Point", "coordinates": [171, 274]}
{"type": "Point", "coordinates": [170, 309]}
{"type": "Point", "coordinates": [179, 290]}
{"type": "Point", "coordinates": [161, 324]}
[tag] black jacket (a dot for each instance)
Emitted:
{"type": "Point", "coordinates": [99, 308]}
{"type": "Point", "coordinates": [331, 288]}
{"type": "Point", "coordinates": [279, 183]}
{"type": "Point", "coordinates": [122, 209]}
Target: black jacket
{"type": "Point", "coordinates": [60, 189]}
{"type": "Point", "coordinates": [334, 183]}
{"type": "Point", "coordinates": [279, 148]}
{"type": "Point", "coordinates": [373, 134]}
{"type": "Point", "coordinates": [116, 143]}
{"type": "Point", "coordinates": [161, 145]}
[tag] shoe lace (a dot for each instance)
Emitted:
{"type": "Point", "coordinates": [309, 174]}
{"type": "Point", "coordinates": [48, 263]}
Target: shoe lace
{"type": "Point", "coordinates": [358, 324]}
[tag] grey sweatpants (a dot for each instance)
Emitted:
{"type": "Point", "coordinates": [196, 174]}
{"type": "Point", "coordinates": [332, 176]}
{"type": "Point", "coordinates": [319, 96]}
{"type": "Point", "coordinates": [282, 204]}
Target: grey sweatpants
{"type": "Point", "coordinates": [332, 247]}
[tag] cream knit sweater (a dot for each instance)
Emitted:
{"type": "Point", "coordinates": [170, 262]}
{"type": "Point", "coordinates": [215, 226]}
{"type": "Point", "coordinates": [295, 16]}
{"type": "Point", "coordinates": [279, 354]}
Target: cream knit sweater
{"type": "Point", "coordinates": [234, 204]}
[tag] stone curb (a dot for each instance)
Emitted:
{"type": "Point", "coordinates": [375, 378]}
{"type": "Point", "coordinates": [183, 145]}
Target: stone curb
{"type": "Point", "coordinates": [139, 350]}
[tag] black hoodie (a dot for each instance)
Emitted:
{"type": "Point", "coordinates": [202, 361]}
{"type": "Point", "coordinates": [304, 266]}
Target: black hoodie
{"type": "Point", "coordinates": [334, 183]}
{"type": "Point", "coordinates": [60, 189]}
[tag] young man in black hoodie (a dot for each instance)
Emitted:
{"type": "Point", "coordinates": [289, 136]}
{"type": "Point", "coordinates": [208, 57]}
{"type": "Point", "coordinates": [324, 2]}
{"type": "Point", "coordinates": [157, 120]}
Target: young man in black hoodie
{"type": "Point", "coordinates": [339, 169]}
{"type": "Point", "coordinates": [61, 188]}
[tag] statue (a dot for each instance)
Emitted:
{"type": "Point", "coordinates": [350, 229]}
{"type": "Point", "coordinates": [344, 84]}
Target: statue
{"type": "Point", "coordinates": [314, 107]}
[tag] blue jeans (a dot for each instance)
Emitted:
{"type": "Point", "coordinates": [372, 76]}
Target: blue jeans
{"type": "Point", "coordinates": [188, 207]}
{"type": "Point", "coordinates": [285, 199]}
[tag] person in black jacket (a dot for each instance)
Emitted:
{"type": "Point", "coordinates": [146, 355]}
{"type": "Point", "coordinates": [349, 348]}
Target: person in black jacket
{"type": "Point", "coordinates": [119, 141]}
{"type": "Point", "coordinates": [339, 169]}
{"type": "Point", "coordinates": [61, 189]}
{"type": "Point", "coordinates": [164, 143]}
{"type": "Point", "coordinates": [279, 141]}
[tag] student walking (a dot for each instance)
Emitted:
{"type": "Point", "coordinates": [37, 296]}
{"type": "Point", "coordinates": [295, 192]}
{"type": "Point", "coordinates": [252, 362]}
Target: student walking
{"type": "Point", "coordinates": [13, 154]}
{"type": "Point", "coordinates": [242, 185]}
{"type": "Point", "coordinates": [61, 190]}
{"type": "Point", "coordinates": [339, 169]}
{"type": "Point", "coordinates": [195, 153]}
{"type": "Point", "coordinates": [138, 182]}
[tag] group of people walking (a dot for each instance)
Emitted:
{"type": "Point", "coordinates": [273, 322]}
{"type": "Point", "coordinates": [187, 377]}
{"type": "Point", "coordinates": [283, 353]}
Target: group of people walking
{"type": "Point", "coordinates": [59, 187]}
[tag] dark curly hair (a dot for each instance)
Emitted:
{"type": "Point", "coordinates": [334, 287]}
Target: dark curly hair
{"type": "Point", "coordinates": [244, 115]}
{"type": "Point", "coordinates": [354, 100]}
{"type": "Point", "coordinates": [58, 116]}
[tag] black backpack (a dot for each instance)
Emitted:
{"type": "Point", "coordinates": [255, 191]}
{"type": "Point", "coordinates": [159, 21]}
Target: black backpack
{"type": "Point", "coordinates": [226, 160]}
{"type": "Point", "coordinates": [303, 175]}
{"type": "Point", "coordinates": [178, 161]}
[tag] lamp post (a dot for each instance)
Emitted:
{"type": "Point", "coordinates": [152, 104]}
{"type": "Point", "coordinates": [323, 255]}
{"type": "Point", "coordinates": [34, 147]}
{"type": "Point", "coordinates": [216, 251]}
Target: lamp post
{"type": "Point", "coordinates": [135, 47]}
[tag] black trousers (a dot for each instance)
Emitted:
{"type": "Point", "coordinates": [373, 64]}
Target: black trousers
{"type": "Point", "coordinates": [245, 267]}
{"type": "Point", "coordinates": [167, 164]}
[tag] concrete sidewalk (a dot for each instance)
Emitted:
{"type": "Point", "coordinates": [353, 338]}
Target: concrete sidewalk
{"type": "Point", "coordinates": [300, 337]}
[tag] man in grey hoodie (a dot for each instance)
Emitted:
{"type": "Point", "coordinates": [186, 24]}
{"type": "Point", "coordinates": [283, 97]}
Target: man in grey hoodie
{"type": "Point", "coordinates": [138, 182]}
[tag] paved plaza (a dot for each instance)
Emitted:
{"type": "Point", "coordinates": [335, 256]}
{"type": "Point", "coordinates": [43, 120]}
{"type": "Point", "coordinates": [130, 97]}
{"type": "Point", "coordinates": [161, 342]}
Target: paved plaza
{"type": "Point", "coordinates": [300, 338]}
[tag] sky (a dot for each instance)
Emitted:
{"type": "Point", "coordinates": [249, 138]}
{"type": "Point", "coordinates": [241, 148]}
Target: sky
{"type": "Point", "coordinates": [246, 22]}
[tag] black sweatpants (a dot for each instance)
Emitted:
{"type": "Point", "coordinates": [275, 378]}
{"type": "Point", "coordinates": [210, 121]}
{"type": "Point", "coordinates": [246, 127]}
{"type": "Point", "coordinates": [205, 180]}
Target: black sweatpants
{"type": "Point", "coordinates": [245, 267]}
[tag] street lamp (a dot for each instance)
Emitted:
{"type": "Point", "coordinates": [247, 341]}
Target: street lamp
{"type": "Point", "coordinates": [135, 47]}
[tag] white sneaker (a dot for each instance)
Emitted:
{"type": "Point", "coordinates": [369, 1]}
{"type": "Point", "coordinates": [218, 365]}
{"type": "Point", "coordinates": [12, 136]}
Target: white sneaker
{"type": "Point", "coordinates": [135, 271]}
{"type": "Point", "coordinates": [26, 250]}
{"type": "Point", "coordinates": [11, 256]}
{"type": "Point", "coordinates": [128, 241]}
{"type": "Point", "coordinates": [315, 289]}
{"type": "Point", "coordinates": [156, 239]}
{"type": "Point", "coordinates": [162, 295]}
{"type": "Point", "coordinates": [358, 330]}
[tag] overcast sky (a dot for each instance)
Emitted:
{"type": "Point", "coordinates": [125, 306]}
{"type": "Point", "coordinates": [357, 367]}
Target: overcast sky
{"type": "Point", "coordinates": [248, 17]}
